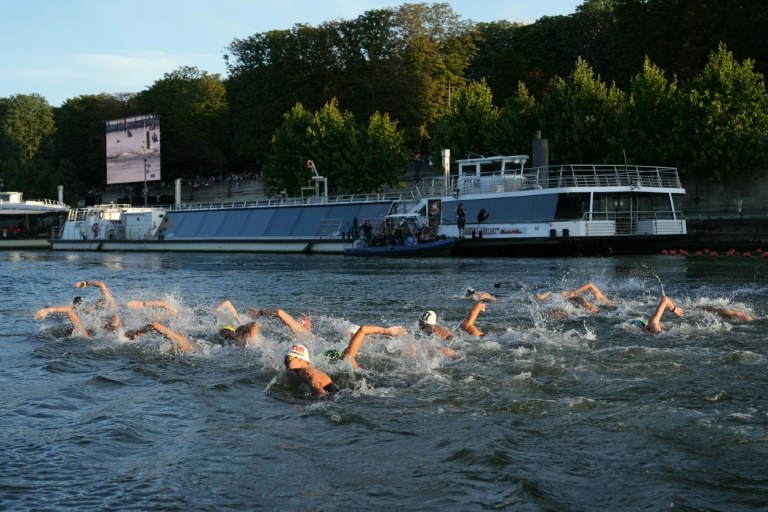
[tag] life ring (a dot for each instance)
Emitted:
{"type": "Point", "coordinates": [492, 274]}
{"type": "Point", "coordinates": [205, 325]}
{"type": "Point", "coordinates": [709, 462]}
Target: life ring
{"type": "Point", "coordinates": [95, 229]}
{"type": "Point", "coordinates": [101, 214]}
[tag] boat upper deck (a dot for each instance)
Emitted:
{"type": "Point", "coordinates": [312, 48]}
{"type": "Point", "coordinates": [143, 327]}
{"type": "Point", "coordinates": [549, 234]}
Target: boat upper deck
{"type": "Point", "coordinates": [554, 177]}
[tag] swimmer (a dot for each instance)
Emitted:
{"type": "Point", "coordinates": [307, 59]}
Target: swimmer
{"type": "Point", "coordinates": [357, 340]}
{"type": "Point", "coordinates": [578, 299]}
{"type": "Point", "coordinates": [427, 323]}
{"type": "Point", "coordinates": [164, 304]}
{"type": "Point", "coordinates": [77, 327]}
{"type": "Point", "coordinates": [300, 326]}
{"type": "Point", "coordinates": [179, 342]}
{"type": "Point", "coordinates": [727, 313]}
{"type": "Point", "coordinates": [110, 302]}
{"type": "Point", "coordinates": [240, 335]}
{"type": "Point", "coordinates": [468, 325]}
{"type": "Point", "coordinates": [475, 295]}
{"type": "Point", "coordinates": [296, 363]}
{"type": "Point", "coordinates": [227, 306]}
{"type": "Point", "coordinates": [653, 326]}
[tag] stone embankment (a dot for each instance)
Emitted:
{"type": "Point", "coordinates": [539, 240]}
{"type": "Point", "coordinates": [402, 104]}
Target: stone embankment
{"type": "Point", "coordinates": [729, 231]}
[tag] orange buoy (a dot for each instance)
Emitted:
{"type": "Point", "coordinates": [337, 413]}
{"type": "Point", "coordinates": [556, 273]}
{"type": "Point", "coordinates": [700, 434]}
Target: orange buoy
{"type": "Point", "coordinates": [664, 252]}
{"type": "Point", "coordinates": [765, 255]}
{"type": "Point", "coordinates": [706, 251]}
{"type": "Point", "coordinates": [698, 253]}
{"type": "Point", "coordinates": [672, 253]}
{"type": "Point", "coordinates": [747, 255]}
{"type": "Point", "coordinates": [713, 253]}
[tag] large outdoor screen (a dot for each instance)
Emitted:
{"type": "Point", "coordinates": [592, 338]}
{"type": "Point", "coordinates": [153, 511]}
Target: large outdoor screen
{"type": "Point", "coordinates": [133, 149]}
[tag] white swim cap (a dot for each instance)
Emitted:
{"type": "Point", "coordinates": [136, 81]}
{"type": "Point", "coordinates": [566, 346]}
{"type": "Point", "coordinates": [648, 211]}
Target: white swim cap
{"type": "Point", "coordinates": [299, 351]}
{"type": "Point", "coordinates": [429, 318]}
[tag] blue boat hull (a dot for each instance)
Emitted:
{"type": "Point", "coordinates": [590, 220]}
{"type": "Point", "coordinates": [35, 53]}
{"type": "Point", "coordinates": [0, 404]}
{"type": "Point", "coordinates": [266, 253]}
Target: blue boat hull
{"type": "Point", "coordinates": [429, 249]}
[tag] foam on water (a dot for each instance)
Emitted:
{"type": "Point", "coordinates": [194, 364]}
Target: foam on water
{"type": "Point", "coordinates": [559, 413]}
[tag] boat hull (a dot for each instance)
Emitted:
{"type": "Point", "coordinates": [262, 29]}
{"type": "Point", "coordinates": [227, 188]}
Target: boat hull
{"type": "Point", "coordinates": [570, 246]}
{"type": "Point", "coordinates": [222, 246]}
{"type": "Point", "coordinates": [430, 249]}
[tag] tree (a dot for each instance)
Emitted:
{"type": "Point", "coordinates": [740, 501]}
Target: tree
{"type": "Point", "coordinates": [383, 156]}
{"type": "Point", "coordinates": [334, 142]}
{"type": "Point", "coordinates": [194, 115]}
{"type": "Point", "coordinates": [468, 124]}
{"type": "Point", "coordinates": [498, 60]}
{"type": "Point", "coordinates": [577, 114]}
{"type": "Point", "coordinates": [516, 125]}
{"type": "Point", "coordinates": [80, 133]}
{"type": "Point", "coordinates": [351, 158]}
{"type": "Point", "coordinates": [26, 127]}
{"type": "Point", "coordinates": [645, 130]}
{"type": "Point", "coordinates": [399, 61]}
{"type": "Point", "coordinates": [291, 148]}
{"type": "Point", "coordinates": [723, 120]}
{"type": "Point", "coordinates": [26, 134]}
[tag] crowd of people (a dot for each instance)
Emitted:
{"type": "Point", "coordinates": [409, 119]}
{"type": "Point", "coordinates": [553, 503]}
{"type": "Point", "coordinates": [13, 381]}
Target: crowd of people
{"type": "Point", "coordinates": [104, 314]}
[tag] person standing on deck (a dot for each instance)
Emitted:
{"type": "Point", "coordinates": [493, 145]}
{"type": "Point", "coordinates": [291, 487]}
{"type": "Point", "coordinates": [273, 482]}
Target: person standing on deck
{"type": "Point", "coordinates": [461, 219]}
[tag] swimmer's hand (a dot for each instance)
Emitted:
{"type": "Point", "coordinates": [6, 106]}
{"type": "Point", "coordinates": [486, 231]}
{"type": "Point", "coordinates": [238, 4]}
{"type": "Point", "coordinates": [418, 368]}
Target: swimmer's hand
{"type": "Point", "coordinates": [396, 330]}
{"type": "Point", "coordinates": [81, 284]}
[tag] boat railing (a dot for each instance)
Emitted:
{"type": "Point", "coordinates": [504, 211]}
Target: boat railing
{"type": "Point", "coordinates": [650, 214]}
{"type": "Point", "coordinates": [335, 228]}
{"type": "Point", "coordinates": [296, 201]}
{"type": "Point", "coordinates": [40, 202]}
{"type": "Point", "coordinates": [561, 176]}
{"type": "Point", "coordinates": [635, 223]}
{"type": "Point", "coordinates": [96, 210]}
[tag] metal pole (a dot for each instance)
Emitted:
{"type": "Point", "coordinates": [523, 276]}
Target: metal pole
{"type": "Point", "coordinates": [145, 182]}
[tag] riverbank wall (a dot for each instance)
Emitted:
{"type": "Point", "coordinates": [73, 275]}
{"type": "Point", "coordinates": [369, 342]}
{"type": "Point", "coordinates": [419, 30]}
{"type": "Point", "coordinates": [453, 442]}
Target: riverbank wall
{"type": "Point", "coordinates": [724, 232]}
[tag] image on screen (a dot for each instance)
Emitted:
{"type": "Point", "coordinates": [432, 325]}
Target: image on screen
{"type": "Point", "coordinates": [133, 149]}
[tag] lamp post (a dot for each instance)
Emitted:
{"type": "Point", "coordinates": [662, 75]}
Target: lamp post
{"type": "Point", "coordinates": [146, 170]}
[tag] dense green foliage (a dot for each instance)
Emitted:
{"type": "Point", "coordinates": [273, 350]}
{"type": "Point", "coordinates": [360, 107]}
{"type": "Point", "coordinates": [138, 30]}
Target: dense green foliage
{"type": "Point", "coordinates": [668, 82]}
{"type": "Point", "coordinates": [354, 159]}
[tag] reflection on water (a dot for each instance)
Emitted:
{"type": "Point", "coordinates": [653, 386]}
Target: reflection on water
{"type": "Point", "coordinates": [582, 413]}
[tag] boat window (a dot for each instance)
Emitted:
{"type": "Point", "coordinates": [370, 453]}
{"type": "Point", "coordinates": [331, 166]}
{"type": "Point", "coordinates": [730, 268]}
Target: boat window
{"type": "Point", "coordinates": [572, 206]}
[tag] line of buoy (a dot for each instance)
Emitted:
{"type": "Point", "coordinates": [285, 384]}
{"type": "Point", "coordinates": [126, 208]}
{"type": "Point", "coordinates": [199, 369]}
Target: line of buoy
{"type": "Point", "coordinates": [706, 252]}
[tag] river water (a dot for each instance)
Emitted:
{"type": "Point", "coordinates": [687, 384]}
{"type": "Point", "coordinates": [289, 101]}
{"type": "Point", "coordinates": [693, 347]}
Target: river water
{"type": "Point", "coordinates": [586, 413]}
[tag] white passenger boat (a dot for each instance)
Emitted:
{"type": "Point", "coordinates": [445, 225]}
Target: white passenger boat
{"type": "Point", "coordinates": [25, 224]}
{"type": "Point", "coordinates": [555, 210]}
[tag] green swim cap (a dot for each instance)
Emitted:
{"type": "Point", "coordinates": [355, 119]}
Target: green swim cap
{"type": "Point", "coordinates": [333, 356]}
{"type": "Point", "coordinates": [639, 323]}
